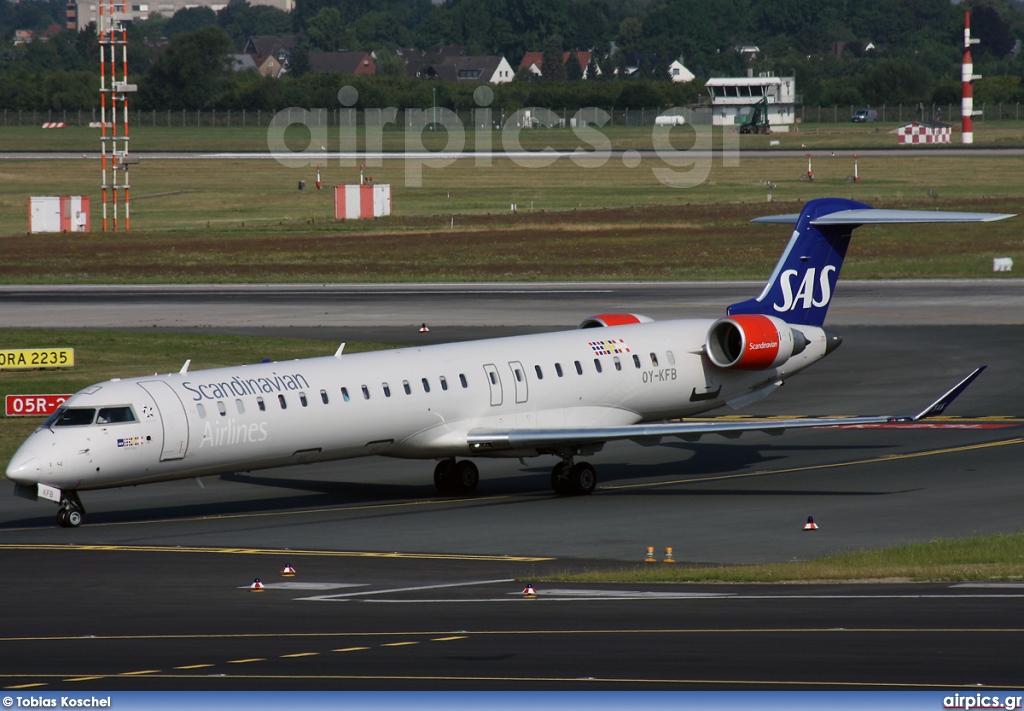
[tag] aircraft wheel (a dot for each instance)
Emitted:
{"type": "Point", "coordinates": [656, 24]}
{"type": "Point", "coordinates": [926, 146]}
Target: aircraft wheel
{"type": "Point", "coordinates": [444, 477]}
{"type": "Point", "coordinates": [62, 518]}
{"type": "Point", "coordinates": [582, 478]}
{"type": "Point", "coordinates": [560, 479]}
{"type": "Point", "coordinates": [74, 518]}
{"type": "Point", "coordinates": [465, 477]}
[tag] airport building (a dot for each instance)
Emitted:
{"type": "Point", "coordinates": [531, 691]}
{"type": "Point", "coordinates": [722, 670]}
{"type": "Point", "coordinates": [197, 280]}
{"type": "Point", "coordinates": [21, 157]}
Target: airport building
{"type": "Point", "coordinates": [734, 98]}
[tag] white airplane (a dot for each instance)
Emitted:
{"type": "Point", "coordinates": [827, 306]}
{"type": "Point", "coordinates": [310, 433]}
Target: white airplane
{"type": "Point", "coordinates": [617, 376]}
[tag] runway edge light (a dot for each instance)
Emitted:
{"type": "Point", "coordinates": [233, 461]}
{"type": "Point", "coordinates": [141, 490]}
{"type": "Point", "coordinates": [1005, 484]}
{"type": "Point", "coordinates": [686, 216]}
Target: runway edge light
{"type": "Point", "coordinates": [288, 571]}
{"type": "Point", "coordinates": [256, 586]}
{"type": "Point", "coordinates": [650, 555]}
{"type": "Point", "coordinates": [810, 525]}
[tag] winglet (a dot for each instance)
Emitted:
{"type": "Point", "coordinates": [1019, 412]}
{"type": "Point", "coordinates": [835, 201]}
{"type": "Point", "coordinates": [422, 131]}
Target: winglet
{"type": "Point", "coordinates": [940, 405]}
{"type": "Point", "coordinates": [184, 368]}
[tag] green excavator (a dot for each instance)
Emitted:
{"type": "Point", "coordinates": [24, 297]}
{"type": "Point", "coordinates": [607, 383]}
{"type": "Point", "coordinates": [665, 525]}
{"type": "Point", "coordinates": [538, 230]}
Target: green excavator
{"type": "Point", "coordinates": [757, 120]}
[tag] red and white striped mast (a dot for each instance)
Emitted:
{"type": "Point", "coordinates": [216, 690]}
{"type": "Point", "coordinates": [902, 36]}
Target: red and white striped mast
{"type": "Point", "coordinates": [967, 75]}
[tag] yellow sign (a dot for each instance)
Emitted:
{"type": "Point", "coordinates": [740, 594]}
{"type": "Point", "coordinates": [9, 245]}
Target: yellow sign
{"type": "Point", "coordinates": [36, 358]}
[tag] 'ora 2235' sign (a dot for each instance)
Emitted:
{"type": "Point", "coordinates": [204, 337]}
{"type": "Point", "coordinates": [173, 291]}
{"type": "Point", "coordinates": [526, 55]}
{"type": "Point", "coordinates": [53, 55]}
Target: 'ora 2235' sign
{"type": "Point", "coordinates": [36, 358]}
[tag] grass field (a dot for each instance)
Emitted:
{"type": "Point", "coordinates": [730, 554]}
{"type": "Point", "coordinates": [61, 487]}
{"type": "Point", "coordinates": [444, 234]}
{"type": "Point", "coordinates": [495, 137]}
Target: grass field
{"type": "Point", "coordinates": [245, 220]}
{"type": "Point", "coordinates": [976, 558]}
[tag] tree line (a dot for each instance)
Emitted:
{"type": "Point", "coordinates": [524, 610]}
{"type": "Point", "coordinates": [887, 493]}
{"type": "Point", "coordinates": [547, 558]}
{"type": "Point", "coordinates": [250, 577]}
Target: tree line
{"type": "Point", "coordinates": [842, 52]}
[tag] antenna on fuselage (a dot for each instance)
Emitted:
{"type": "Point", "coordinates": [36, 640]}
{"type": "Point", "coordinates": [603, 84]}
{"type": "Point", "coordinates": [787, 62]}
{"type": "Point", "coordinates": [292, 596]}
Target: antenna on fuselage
{"type": "Point", "coordinates": [337, 353]}
{"type": "Point", "coordinates": [184, 368]}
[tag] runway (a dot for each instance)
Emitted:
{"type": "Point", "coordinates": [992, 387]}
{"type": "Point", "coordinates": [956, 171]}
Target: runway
{"type": "Point", "coordinates": [398, 588]}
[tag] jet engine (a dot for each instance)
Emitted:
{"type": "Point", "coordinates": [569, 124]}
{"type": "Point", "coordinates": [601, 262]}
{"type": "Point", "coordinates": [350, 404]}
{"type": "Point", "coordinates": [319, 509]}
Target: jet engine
{"type": "Point", "coordinates": [752, 342]}
{"type": "Point", "coordinates": [605, 320]}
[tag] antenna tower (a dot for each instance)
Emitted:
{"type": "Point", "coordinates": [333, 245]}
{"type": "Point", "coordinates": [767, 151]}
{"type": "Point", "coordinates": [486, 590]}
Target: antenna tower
{"type": "Point", "coordinates": [114, 90]}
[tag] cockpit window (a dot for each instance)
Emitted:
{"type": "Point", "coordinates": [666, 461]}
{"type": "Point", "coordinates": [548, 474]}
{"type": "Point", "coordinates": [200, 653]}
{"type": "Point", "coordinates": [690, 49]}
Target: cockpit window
{"type": "Point", "coordinates": [74, 417]}
{"type": "Point", "coordinates": [110, 415]}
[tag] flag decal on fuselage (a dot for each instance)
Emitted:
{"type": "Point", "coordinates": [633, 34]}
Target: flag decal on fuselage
{"type": "Point", "coordinates": [612, 347]}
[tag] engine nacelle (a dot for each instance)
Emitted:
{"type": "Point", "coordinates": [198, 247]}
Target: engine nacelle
{"type": "Point", "coordinates": [752, 342]}
{"type": "Point", "coordinates": [605, 320]}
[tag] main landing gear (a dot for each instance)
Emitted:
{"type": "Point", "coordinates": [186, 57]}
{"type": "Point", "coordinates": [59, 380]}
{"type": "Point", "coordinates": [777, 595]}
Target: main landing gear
{"type": "Point", "coordinates": [454, 478]}
{"type": "Point", "coordinates": [71, 511]}
{"type": "Point", "coordinates": [568, 479]}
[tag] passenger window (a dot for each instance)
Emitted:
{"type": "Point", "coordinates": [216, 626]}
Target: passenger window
{"type": "Point", "coordinates": [109, 415]}
{"type": "Point", "coordinates": [558, 369]}
{"type": "Point", "coordinates": [654, 360]}
{"type": "Point", "coordinates": [366, 392]}
{"type": "Point", "coordinates": [540, 373]}
{"type": "Point", "coordinates": [519, 375]}
{"type": "Point", "coordinates": [618, 363]}
{"type": "Point", "coordinates": [221, 409]}
{"type": "Point", "coordinates": [444, 382]}
{"type": "Point", "coordinates": [579, 368]}
{"type": "Point", "coordinates": [302, 399]}
{"type": "Point", "coordinates": [462, 379]}
{"type": "Point", "coordinates": [671, 358]}
{"type": "Point", "coordinates": [494, 378]}
{"type": "Point", "coordinates": [387, 389]}
{"type": "Point", "coordinates": [636, 361]}
{"type": "Point", "coordinates": [323, 396]}
{"type": "Point", "coordinates": [201, 410]}
{"type": "Point", "coordinates": [597, 365]}
{"type": "Point", "coordinates": [426, 385]}
{"type": "Point", "coordinates": [405, 386]}
{"type": "Point", "coordinates": [281, 401]}
{"type": "Point", "coordinates": [344, 394]}
{"type": "Point", "coordinates": [240, 406]}
{"type": "Point", "coordinates": [260, 404]}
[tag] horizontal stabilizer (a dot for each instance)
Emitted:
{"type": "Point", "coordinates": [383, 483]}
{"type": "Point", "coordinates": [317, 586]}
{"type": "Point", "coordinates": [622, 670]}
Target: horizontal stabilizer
{"type": "Point", "coordinates": [874, 216]}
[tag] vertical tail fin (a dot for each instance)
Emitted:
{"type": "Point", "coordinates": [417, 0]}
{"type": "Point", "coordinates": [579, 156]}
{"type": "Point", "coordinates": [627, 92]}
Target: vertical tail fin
{"type": "Point", "coordinates": [801, 287]}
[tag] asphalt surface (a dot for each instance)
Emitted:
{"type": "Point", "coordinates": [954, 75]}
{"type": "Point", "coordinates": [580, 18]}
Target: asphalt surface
{"type": "Point", "coordinates": [398, 588]}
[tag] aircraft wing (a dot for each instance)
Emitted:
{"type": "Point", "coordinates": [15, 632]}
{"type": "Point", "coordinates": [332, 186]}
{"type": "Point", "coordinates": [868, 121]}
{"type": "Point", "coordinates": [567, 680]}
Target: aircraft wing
{"type": "Point", "coordinates": [483, 441]}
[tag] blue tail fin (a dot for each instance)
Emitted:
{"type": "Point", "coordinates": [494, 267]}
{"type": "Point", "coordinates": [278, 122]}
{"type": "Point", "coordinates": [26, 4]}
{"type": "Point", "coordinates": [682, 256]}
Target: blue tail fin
{"type": "Point", "coordinates": [801, 287]}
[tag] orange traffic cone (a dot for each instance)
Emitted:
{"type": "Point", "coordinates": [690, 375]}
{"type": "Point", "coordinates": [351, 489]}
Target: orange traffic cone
{"type": "Point", "coordinates": [288, 571]}
{"type": "Point", "coordinates": [810, 525]}
{"type": "Point", "coordinates": [424, 329]}
{"type": "Point", "coordinates": [529, 592]}
{"type": "Point", "coordinates": [256, 586]}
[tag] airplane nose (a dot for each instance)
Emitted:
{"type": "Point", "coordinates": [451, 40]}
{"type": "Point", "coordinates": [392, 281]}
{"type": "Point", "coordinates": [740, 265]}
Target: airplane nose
{"type": "Point", "coordinates": [24, 467]}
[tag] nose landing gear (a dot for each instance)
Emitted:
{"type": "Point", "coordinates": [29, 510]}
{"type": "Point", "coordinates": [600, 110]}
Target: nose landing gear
{"type": "Point", "coordinates": [71, 511]}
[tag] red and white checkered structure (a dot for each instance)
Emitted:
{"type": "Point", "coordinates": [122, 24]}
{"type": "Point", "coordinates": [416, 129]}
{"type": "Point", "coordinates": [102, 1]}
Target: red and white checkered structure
{"type": "Point", "coordinates": [55, 124]}
{"type": "Point", "coordinates": [354, 202]}
{"type": "Point", "coordinates": [916, 132]}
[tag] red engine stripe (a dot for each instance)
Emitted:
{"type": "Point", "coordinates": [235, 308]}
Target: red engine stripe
{"type": "Point", "coordinates": [616, 319]}
{"type": "Point", "coordinates": [762, 344]}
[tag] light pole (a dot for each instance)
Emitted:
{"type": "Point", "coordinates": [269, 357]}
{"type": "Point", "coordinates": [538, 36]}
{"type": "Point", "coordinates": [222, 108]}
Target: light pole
{"type": "Point", "coordinates": [434, 118]}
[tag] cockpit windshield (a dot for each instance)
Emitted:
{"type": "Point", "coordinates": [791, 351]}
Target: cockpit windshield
{"type": "Point", "coordinates": [71, 417]}
{"type": "Point", "coordinates": [79, 416]}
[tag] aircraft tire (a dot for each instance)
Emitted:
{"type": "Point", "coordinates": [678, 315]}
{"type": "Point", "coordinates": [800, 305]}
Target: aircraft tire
{"type": "Point", "coordinates": [582, 478]}
{"type": "Point", "coordinates": [444, 478]}
{"type": "Point", "coordinates": [465, 477]}
{"type": "Point", "coordinates": [560, 479]}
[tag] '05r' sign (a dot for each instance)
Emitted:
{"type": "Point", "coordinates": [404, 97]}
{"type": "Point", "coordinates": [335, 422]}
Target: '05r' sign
{"type": "Point", "coordinates": [37, 405]}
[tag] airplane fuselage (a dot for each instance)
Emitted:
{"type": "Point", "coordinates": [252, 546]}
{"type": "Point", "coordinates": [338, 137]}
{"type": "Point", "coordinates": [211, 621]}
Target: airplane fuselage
{"type": "Point", "coordinates": [417, 402]}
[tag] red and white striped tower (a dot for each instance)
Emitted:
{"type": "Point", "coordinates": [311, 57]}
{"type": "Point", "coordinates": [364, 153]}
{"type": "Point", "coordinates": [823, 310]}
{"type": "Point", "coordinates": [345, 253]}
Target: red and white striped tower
{"type": "Point", "coordinates": [967, 75]}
